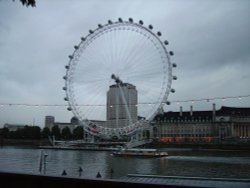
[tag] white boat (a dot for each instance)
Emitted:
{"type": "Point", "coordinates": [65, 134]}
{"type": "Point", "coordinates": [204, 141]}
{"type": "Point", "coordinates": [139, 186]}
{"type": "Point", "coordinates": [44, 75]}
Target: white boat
{"type": "Point", "coordinates": [137, 152]}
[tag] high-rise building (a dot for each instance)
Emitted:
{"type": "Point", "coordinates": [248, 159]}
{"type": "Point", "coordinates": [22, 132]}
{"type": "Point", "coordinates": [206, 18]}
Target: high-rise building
{"type": "Point", "coordinates": [121, 105]}
{"type": "Point", "coordinates": [49, 121]}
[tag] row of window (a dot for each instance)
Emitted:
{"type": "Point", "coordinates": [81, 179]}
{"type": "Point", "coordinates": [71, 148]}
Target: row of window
{"type": "Point", "coordinates": [184, 135]}
{"type": "Point", "coordinates": [187, 131]}
{"type": "Point", "coordinates": [184, 120]}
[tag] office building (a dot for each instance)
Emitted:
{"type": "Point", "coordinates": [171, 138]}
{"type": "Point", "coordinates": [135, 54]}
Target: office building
{"type": "Point", "coordinates": [121, 105]}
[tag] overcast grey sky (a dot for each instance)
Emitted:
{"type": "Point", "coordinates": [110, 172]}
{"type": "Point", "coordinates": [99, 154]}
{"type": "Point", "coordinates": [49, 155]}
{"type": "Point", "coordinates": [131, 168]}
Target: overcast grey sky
{"type": "Point", "coordinates": [211, 41]}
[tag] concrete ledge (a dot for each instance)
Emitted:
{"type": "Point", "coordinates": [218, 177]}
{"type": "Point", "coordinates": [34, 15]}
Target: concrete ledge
{"type": "Point", "coordinates": [21, 180]}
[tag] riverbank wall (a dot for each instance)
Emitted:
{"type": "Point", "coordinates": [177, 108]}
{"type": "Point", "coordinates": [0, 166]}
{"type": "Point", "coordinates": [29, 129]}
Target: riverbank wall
{"type": "Point", "coordinates": [24, 142]}
{"type": "Point", "coordinates": [200, 146]}
{"type": "Point", "coordinates": [155, 144]}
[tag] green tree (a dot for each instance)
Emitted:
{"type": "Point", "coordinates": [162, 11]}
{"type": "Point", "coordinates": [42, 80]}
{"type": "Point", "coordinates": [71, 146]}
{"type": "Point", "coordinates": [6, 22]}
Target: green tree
{"type": "Point", "coordinates": [66, 134]}
{"type": "Point", "coordinates": [56, 132]}
{"type": "Point", "coordinates": [35, 132]}
{"type": "Point", "coordinates": [5, 132]}
{"type": "Point", "coordinates": [21, 133]}
{"type": "Point", "coordinates": [12, 134]}
{"type": "Point", "coordinates": [28, 132]}
{"type": "Point", "coordinates": [45, 132]}
{"type": "Point", "coordinates": [78, 132]}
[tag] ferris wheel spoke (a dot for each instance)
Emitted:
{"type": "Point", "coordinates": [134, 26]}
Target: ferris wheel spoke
{"type": "Point", "coordinates": [108, 50]}
{"type": "Point", "coordinates": [127, 46]}
{"type": "Point", "coordinates": [134, 49]}
{"type": "Point", "coordinates": [125, 40]}
{"type": "Point", "coordinates": [146, 75]}
{"type": "Point", "coordinates": [92, 78]}
{"type": "Point", "coordinates": [89, 98]}
{"type": "Point", "coordinates": [137, 58]}
{"type": "Point", "coordinates": [148, 62]}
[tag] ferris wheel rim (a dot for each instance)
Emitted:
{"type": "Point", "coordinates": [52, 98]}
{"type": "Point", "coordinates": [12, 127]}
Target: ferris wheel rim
{"type": "Point", "coordinates": [91, 37]}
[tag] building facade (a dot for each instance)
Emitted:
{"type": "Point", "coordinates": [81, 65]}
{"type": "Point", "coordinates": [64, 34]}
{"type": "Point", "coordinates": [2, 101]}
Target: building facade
{"type": "Point", "coordinates": [14, 127]}
{"type": "Point", "coordinates": [50, 123]}
{"type": "Point", "coordinates": [121, 105]}
{"type": "Point", "coordinates": [227, 124]}
{"type": "Point", "coordinates": [74, 123]}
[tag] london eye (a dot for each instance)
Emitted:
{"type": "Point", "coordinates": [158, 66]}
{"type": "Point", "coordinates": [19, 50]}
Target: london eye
{"type": "Point", "coordinates": [118, 78]}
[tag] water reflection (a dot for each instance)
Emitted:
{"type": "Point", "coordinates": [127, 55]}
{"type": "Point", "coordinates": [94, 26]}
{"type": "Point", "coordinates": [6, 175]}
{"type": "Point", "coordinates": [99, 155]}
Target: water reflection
{"type": "Point", "coordinates": [178, 163]}
{"type": "Point", "coordinates": [91, 162]}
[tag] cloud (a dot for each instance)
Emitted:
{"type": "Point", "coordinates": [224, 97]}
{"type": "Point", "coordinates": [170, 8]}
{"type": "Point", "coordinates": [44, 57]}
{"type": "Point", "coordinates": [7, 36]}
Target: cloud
{"type": "Point", "coordinates": [211, 41]}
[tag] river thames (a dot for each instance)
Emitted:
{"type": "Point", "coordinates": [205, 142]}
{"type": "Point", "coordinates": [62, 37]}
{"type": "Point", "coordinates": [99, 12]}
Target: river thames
{"type": "Point", "coordinates": [180, 162]}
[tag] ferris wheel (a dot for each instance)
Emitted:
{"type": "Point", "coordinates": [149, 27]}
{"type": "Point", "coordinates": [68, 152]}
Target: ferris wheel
{"type": "Point", "coordinates": [118, 78]}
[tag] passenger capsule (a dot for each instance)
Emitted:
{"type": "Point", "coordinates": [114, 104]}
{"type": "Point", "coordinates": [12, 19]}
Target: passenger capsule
{"type": "Point", "coordinates": [171, 53]}
{"type": "Point", "coordinates": [168, 103]}
{"type": "Point", "coordinates": [66, 99]}
{"type": "Point", "coordinates": [66, 66]}
{"type": "Point", "coordinates": [130, 20]}
{"type": "Point", "coordinates": [174, 77]}
{"type": "Point", "coordinates": [83, 39]}
{"type": "Point", "coordinates": [65, 77]}
{"type": "Point", "coordinates": [69, 109]}
{"type": "Point", "coordinates": [141, 22]}
{"type": "Point", "coordinates": [76, 47]}
{"type": "Point", "coordinates": [166, 42]}
{"type": "Point", "coordinates": [110, 22]}
{"type": "Point", "coordinates": [150, 27]}
{"type": "Point", "coordinates": [64, 88]}
{"type": "Point", "coordinates": [99, 25]}
{"type": "Point", "coordinates": [174, 65]}
{"type": "Point", "coordinates": [71, 56]}
{"type": "Point", "coordinates": [172, 90]}
{"type": "Point", "coordinates": [159, 33]}
{"type": "Point", "coordinates": [91, 32]}
{"type": "Point", "coordinates": [120, 20]}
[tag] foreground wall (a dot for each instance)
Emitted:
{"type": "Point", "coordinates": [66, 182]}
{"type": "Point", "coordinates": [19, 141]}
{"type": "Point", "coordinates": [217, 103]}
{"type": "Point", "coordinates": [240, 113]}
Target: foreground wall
{"type": "Point", "coordinates": [29, 181]}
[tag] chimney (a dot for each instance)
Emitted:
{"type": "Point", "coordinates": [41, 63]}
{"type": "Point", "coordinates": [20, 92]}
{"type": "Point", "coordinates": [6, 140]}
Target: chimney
{"type": "Point", "coordinates": [191, 110]}
{"type": "Point", "coordinates": [180, 110]}
{"type": "Point", "coordinates": [214, 110]}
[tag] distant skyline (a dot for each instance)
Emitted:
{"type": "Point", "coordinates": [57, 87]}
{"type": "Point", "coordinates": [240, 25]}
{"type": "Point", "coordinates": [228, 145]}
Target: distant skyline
{"type": "Point", "coordinates": [210, 39]}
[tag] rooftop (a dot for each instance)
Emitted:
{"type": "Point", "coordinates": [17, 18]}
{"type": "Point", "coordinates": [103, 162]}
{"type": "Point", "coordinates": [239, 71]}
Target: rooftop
{"type": "Point", "coordinates": [224, 111]}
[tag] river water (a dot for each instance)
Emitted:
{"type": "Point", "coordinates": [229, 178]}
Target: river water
{"type": "Point", "coordinates": [180, 162]}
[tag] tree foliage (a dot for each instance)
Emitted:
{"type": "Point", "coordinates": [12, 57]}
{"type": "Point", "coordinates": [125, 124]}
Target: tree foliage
{"type": "Point", "coordinates": [27, 3]}
{"type": "Point", "coordinates": [66, 134]}
{"type": "Point", "coordinates": [56, 132]}
{"type": "Point", "coordinates": [78, 132]}
{"type": "Point", "coordinates": [4, 132]}
{"type": "Point", "coordinates": [45, 132]}
{"type": "Point", "coordinates": [28, 132]}
{"type": "Point", "coordinates": [35, 132]}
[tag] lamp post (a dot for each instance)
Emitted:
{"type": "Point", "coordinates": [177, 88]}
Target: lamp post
{"type": "Point", "coordinates": [44, 163]}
